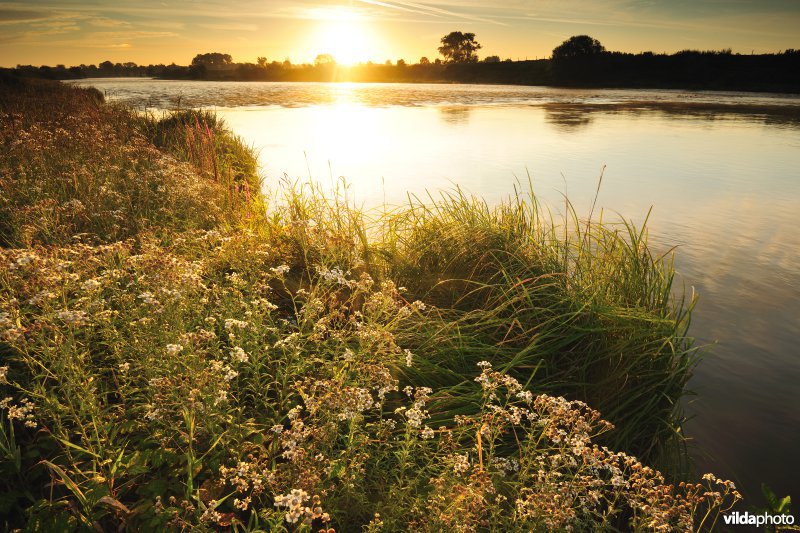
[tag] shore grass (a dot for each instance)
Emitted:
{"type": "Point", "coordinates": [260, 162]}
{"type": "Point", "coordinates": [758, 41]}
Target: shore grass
{"type": "Point", "coordinates": [181, 351]}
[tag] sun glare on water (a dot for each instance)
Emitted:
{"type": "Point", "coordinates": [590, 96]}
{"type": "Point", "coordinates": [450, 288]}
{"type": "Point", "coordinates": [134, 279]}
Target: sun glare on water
{"type": "Point", "coordinates": [344, 34]}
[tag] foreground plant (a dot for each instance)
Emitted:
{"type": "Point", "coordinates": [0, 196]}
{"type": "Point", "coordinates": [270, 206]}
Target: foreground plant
{"type": "Point", "coordinates": [189, 386]}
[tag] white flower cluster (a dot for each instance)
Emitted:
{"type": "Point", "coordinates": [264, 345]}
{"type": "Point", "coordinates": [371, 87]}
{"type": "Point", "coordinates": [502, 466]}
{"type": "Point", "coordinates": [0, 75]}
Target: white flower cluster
{"type": "Point", "coordinates": [72, 318]}
{"type": "Point", "coordinates": [23, 411]}
{"type": "Point", "coordinates": [294, 503]}
{"type": "Point", "coordinates": [8, 329]}
{"type": "Point", "coordinates": [355, 401]}
{"type": "Point", "coordinates": [506, 465]}
{"type": "Point", "coordinates": [409, 358]}
{"type": "Point", "coordinates": [90, 285]}
{"type": "Point", "coordinates": [225, 370]}
{"type": "Point", "coordinates": [238, 354]}
{"type": "Point", "coordinates": [174, 349]}
{"type": "Point", "coordinates": [231, 323]}
{"type": "Point", "coordinates": [335, 275]}
{"type": "Point", "coordinates": [41, 296]}
{"type": "Point", "coordinates": [23, 259]}
{"type": "Point", "coordinates": [417, 414]}
{"type": "Point", "coordinates": [148, 298]}
{"type": "Point", "coordinates": [280, 270]}
{"type": "Point", "coordinates": [461, 463]}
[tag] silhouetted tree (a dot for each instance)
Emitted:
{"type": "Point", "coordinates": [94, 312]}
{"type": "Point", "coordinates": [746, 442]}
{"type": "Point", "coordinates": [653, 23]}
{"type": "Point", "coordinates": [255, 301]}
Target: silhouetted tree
{"type": "Point", "coordinates": [491, 59]}
{"type": "Point", "coordinates": [401, 62]}
{"type": "Point", "coordinates": [262, 61]}
{"type": "Point", "coordinates": [323, 60]}
{"type": "Point", "coordinates": [212, 59]}
{"type": "Point", "coordinates": [458, 47]}
{"type": "Point", "coordinates": [578, 46]}
{"type": "Point", "coordinates": [424, 61]}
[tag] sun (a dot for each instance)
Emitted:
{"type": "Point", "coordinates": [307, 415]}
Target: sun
{"type": "Point", "coordinates": [344, 34]}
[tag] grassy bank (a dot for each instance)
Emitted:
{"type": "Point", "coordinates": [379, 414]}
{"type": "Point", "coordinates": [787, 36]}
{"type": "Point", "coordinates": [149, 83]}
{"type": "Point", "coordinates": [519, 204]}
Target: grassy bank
{"type": "Point", "coordinates": [177, 355]}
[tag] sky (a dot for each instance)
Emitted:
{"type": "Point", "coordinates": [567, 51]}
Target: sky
{"type": "Point", "coordinates": [151, 31]}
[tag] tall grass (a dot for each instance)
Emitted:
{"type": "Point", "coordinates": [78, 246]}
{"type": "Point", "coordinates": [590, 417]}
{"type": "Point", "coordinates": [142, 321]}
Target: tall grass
{"type": "Point", "coordinates": [201, 362]}
{"type": "Point", "coordinates": [577, 309]}
{"type": "Point", "coordinates": [73, 165]}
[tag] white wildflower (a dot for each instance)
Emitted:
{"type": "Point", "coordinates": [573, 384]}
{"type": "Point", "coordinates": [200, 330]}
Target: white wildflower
{"type": "Point", "coordinates": [280, 270]}
{"type": "Point", "coordinates": [72, 318]}
{"type": "Point", "coordinates": [335, 275]}
{"type": "Point", "coordinates": [526, 396]}
{"type": "Point", "coordinates": [148, 298]}
{"type": "Point", "coordinates": [461, 463]}
{"type": "Point", "coordinates": [420, 306]}
{"type": "Point", "coordinates": [23, 259]}
{"type": "Point", "coordinates": [238, 354]}
{"type": "Point", "coordinates": [293, 503]}
{"type": "Point", "coordinates": [231, 323]}
{"type": "Point", "coordinates": [174, 349]}
{"type": "Point", "coordinates": [90, 284]}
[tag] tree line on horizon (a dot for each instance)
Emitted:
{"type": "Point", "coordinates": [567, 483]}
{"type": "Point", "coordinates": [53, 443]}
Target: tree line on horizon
{"type": "Point", "coordinates": [578, 61]}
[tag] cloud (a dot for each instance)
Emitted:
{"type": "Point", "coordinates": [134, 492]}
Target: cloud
{"type": "Point", "coordinates": [422, 9]}
{"type": "Point", "coordinates": [104, 22]}
{"type": "Point", "coordinates": [229, 27]}
{"type": "Point", "coordinates": [19, 16]}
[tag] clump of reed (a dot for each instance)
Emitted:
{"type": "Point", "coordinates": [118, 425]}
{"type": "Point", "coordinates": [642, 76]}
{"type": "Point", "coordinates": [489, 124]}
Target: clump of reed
{"type": "Point", "coordinates": [578, 309]}
{"type": "Point", "coordinates": [205, 365]}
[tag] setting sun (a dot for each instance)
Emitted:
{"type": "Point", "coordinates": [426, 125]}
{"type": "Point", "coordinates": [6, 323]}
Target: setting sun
{"type": "Point", "coordinates": [345, 35]}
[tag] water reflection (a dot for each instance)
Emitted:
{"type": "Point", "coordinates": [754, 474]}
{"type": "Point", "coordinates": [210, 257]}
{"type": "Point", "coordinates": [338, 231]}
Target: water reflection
{"type": "Point", "coordinates": [571, 117]}
{"type": "Point", "coordinates": [567, 118]}
{"type": "Point", "coordinates": [167, 94]}
{"type": "Point", "coordinates": [455, 115]}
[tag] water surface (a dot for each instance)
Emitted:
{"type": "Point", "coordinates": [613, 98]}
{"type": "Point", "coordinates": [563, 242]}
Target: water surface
{"type": "Point", "coordinates": [721, 172]}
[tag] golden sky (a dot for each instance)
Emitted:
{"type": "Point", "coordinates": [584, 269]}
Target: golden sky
{"type": "Point", "coordinates": [151, 31]}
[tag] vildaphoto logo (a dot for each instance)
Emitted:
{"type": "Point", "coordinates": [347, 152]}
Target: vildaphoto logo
{"type": "Point", "coordinates": [764, 519]}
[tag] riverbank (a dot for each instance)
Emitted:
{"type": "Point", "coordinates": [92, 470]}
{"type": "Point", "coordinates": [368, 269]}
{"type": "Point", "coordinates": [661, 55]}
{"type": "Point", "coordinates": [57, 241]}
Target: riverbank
{"type": "Point", "coordinates": [177, 354]}
{"type": "Point", "coordinates": [686, 70]}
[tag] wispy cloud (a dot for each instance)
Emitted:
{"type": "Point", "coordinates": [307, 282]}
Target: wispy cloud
{"type": "Point", "coordinates": [422, 9]}
{"type": "Point", "coordinates": [229, 27]}
{"type": "Point", "coordinates": [104, 22]}
{"type": "Point", "coordinates": [20, 16]}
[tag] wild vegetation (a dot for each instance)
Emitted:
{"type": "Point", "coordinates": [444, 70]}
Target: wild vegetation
{"type": "Point", "coordinates": [182, 351]}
